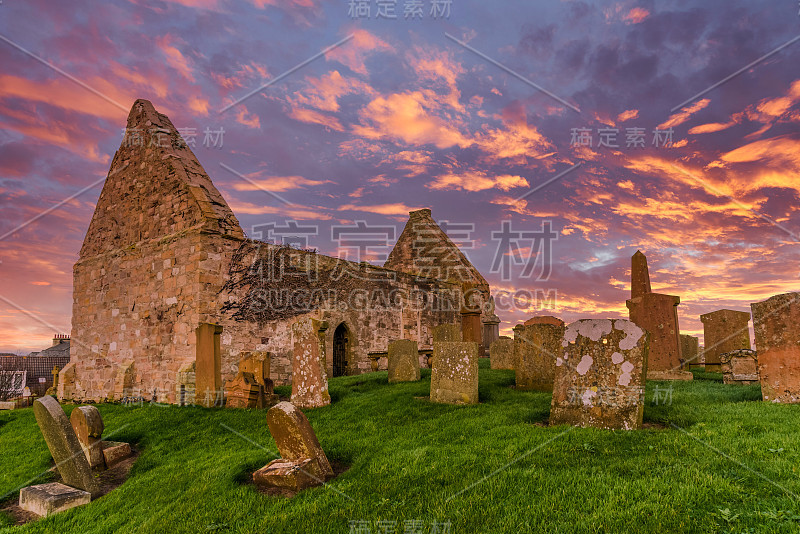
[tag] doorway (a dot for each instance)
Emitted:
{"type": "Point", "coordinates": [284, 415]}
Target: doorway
{"type": "Point", "coordinates": [340, 340]}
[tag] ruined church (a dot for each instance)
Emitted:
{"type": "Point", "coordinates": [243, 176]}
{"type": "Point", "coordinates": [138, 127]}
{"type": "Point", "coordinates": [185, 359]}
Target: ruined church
{"type": "Point", "coordinates": [166, 274]}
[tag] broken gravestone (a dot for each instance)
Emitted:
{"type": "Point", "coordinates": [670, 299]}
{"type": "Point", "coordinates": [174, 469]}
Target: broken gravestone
{"type": "Point", "coordinates": [600, 379]}
{"type": "Point", "coordinates": [79, 484]}
{"type": "Point", "coordinates": [454, 378]}
{"type": "Point", "coordinates": [252, 386]}
{"type": "Point", "coordinates": [303, 463]}
{"type": "Point", "coordinates": [536, 347]}
{"type": "Point", "coordinates": [403, 361]}
{"type": "Point", "coordinates": [739, 367]}
{"type": "Point", "coordinates": [88, 425]}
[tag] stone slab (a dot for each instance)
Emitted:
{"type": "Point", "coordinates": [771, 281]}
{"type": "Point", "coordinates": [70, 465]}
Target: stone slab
{"type": "Point", "coordinates": [48, 499]}
{"type": "Point", "coordinates": [454, 378]}
{"type": "Point", "coordinates": [724, 331]}
{"type": "Point", "coordinates": [536, 348]}
{"type": "Point", "coordinates": [289, 474]}
{"type": "Point", "coordinates": [115, 451]}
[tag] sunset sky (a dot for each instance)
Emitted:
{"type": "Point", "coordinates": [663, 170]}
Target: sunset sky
{"type": "Point", "coordinates": [474, 115]}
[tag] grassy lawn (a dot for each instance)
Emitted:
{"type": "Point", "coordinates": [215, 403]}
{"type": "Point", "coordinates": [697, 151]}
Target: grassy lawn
{"type": "Point", "coordinates": [714, 459]}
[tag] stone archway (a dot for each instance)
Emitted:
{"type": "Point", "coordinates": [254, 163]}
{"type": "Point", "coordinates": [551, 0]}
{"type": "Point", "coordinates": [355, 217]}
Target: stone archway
{"type": "Point", "coordinates": [341, 349]}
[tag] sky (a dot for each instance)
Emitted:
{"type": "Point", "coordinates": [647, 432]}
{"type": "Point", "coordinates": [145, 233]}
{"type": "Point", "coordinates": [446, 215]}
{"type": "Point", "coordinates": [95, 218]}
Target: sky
{"type": "Point", "coordinates": [670, 127]}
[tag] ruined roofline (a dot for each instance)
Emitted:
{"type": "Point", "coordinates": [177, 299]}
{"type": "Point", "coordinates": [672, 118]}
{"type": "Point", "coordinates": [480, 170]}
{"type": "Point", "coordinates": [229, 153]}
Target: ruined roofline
{"type": "Point", "coordinates": [402, 274]}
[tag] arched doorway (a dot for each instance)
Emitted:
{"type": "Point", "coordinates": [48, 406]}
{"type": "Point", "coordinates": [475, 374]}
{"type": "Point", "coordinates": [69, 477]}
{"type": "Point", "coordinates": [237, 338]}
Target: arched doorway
{"type": "Point", "coordinates": [340, 340]}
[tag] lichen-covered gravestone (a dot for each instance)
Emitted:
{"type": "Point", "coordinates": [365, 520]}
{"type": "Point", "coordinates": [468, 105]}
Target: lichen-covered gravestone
{"type": "Point", "coordinates": [536, 347]}
{"type": "Point", "coordinates": [599, 380]}
{"type": "Point", "coordinates": [309, 377]}
{"type": "Point", "coordinates": [303, 463]}
{"type": "Point", "coordinates": [739, 367]}
{"type": "Point", "coordinates": [454, 378]}
{"type": "Point", "coordinates": [501, 353]}
{"type": "Point", "coordinates": [403, 361]}
{"type": "Point", "coordinates": [776, 324]}
{"type": "Point", "coordinates": [447, 333]}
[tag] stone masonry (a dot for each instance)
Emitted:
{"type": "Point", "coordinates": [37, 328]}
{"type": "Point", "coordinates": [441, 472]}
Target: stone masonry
{"type": "Point", "coordinates": [600, 379]}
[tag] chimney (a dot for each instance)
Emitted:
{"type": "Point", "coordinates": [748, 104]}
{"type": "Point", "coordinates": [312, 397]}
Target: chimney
{"type": "Point", "coordinates": [58, 339]}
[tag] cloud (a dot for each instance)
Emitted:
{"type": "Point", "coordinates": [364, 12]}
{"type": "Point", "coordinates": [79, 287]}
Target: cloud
{"type": "Point", "coordinates": [276, 184]}
{"type": "Point", "coordinates": [353, 54]}
{"type": "Point", "coordinates": [314, 117]}
{"type": "Point", "coordinates": [636, 15]}
{"type": "Point", "coordinates": [477, 181]}
{"type": "Point", "coordinates": [684, 114]}
{"type": "Point", "coordinates": [628, 115]}
{"type": "Point", "coordinates": [175, 57]}
{"type": "Point", "coordinates": [397, 208]}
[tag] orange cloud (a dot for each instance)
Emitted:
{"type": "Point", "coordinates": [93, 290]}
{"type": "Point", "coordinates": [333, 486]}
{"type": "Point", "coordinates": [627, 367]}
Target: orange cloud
{"type": "Point", "coordinates": [276, 184]}
{"type": "Point", "coordinates": [175, 57]}
{"type": "Point", "coordinates": [477, 181]}
{"type": "Point", "coordinates": [382, 209]}
{"type": "Point", "coordinates": [684, 114]}
{"type": "Point", "coordinates": [247, 119]}
{"type": "Point", "coordinates": [710, 127]}
{"type": "Point", "coordinates": [636, 15]}
{"type": "Point", "coordinates": [628, 115]}
{"type": "Point", "coordinates": [299, 213]}
{"type": "Point", "coordinates": [353, 53]}
{"type": "Point", "coordinates": [314, 117]}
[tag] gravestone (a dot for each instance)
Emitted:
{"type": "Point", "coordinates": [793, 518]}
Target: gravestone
{"type": "Point", "coordinates": [454, 378]}
{"type": "Point", "coordinates": [776, 323]}
{"type": "Point", "coordinates": [657, 314]}
{"type": "Point", "coordinates": [739, 367]}
{"type": "Point", "coordinates": [690, 351]}
{"type": "Point", "coordinates": [544, 319]}
{"type": "Point", "coordinates": [447, 333]}
{"type": "Point", "coordinates": [303, 462]}
{"type": "Point", "coordinates": [403, 361]}
{"type": "Point", "coordinates": [724, 331]}
{"type": "Point", "coordinates": [600, 379]}
{"type": "Point", "coordinates": [252, 386]}
{"type": "Point", "coordinates": [88, 425]}
{"type": "Point", "coordinates": [309, 376]}
{"type": "Point", "coordinates": [501, 354]}
{"type": "Point", "coordinates": [64, 446]}
{"type": "Point", "coordinates": [208, 364]}
{"type": "Point", "coordinates": [536, 347]}
{"type": "Point", "coordinates": [51, 498]}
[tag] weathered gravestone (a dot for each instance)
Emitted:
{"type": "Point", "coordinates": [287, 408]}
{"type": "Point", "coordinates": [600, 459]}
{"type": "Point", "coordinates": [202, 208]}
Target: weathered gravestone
{"type": "Point", "coordinates": [252, 386]}
{"type": "Point", "coordinates": [79, 483]}
{"type": "Point", "coordinates": [309, 376]}
{"type": "Point", "coordinates": [88, 425]}
{"type": "Point", "coordinates": [454, 378]}
{"type": "Point", "coordinates": [658, 314]}
{"type": "Point", "coordinates": [724, 331]}
{"type": "Point", "coordinates": [599, 381]}
{"type": "Point", "coordinates": [739, 367]}
{"type": "Point", "coordinates": [501, 353]}
{"type": "Point", "coordinates": [536, 347]}
{"type": "Point", "coordinates": [403, 361]}
{"type": "Point", "coordinates": [776, 324]}
{"type": "Point", "coordinates": [303, 463]}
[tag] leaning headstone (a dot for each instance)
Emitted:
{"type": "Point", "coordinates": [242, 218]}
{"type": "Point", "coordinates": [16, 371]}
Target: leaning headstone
{"type": "Point", "coordinates": [536, 347]}
{"type": "Point", "coordinates": [454, 378]}
{"type": "Point", "coordinates": [303, 463]}
{"type": "Point", "coordinates": [776, 323]}
{"type": "Point", "coordinates": [64, 446]}
{"type": "Point", "coordinates": [724, 331]}
{"type": "Point", "coordinates": [739, 367]}
{"type": "Point", "coordinates": [403, 361]}
{"type": "Point", "coordinates": [600, 379]}
{"type": "Point", "coordinates": [501, 353]}
{"type": "Point", "coordinates": [88, 425]}
{"type": "Point", "coordinates": [309, 376]}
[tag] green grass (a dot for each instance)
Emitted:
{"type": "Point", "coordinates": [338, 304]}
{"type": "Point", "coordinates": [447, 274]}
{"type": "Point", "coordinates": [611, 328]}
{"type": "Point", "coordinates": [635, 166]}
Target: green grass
{"type": "Point", "coordinates": [715, 459]}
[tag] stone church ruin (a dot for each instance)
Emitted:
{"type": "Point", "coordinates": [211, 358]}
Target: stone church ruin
{"type": "Point", "coordinates": [169, 292]}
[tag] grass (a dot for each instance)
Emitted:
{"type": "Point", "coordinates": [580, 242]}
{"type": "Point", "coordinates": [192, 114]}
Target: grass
{"type": "Point", "coordinates": [715, 459]}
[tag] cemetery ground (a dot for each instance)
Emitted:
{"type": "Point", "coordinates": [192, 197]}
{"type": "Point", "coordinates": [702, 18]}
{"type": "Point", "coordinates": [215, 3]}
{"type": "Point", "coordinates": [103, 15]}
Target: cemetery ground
{"type": "Point", "coordinates": [712, 458]}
